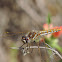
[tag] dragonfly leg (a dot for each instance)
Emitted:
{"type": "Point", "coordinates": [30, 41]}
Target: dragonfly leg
{"type": "Point", "coordinates": [24, 50]}
{"type": "Point", "coordinates": [28, 45]}
{"type": "Point", "coordinates": [21, 47]}
{"type": "Point", "coordinates": [31, 49]}
{"type": "Point", "coordinates": [32, 45]}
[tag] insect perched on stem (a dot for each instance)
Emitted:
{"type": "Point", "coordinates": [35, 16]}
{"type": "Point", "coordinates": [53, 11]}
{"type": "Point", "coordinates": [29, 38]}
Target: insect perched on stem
{"type": "Point", "coordinates": [35, 37]}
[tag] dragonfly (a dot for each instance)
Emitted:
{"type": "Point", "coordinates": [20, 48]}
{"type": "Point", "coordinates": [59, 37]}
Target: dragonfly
{"type": "Point", "coordinates": [33, 37]}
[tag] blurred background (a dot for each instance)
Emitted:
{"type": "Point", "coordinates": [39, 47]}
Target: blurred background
{"type": "Point", "coordinates": [23, 16]}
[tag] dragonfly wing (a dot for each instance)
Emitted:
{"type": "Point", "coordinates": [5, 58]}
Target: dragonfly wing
{"type": "Point", "coordinates": [43, 52]}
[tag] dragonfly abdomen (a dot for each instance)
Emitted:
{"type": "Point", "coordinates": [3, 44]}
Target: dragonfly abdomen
{"type": "Point", "coordinates": [49, 31]}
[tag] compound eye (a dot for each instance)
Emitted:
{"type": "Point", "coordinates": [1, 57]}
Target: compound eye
{"type": "Point", "coordinates": [23, 37]}
{"type": "Point", "coordinates": [24, 41]}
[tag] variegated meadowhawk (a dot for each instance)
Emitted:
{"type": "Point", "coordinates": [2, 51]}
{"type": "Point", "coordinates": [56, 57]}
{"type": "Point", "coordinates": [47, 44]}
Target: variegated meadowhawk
{"type": "Point", "coordinates": [33, 37]}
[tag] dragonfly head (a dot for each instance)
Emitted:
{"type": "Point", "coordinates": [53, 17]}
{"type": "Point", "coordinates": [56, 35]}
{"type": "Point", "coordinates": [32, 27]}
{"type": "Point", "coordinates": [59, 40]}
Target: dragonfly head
{"type": "Point", "coordinates": [25, 39]}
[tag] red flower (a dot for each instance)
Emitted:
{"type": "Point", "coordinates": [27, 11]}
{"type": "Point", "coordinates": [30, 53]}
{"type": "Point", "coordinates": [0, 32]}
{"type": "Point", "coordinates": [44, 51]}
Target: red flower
{"type": "Point", "coordinates": [46, 26]}
{"type": "Point", "coordinates": [50, 26]}
{"type": "Point", "coordinates": [57, 34]}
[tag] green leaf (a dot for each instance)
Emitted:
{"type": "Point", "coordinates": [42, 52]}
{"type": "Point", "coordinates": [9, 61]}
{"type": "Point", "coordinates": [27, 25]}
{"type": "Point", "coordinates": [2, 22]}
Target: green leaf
{"type": "Point", "coordinates": [59, 48]}
{"type": "Point", "coordinates": [49, 19]}
{"type": "Point", "coordinates": [13, 53]}
{"type": "Point", "coordinates": [60, 60]}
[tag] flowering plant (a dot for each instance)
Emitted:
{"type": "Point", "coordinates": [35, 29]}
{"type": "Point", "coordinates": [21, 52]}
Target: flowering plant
{"type": "Point", "coordinates": [52, 39]}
